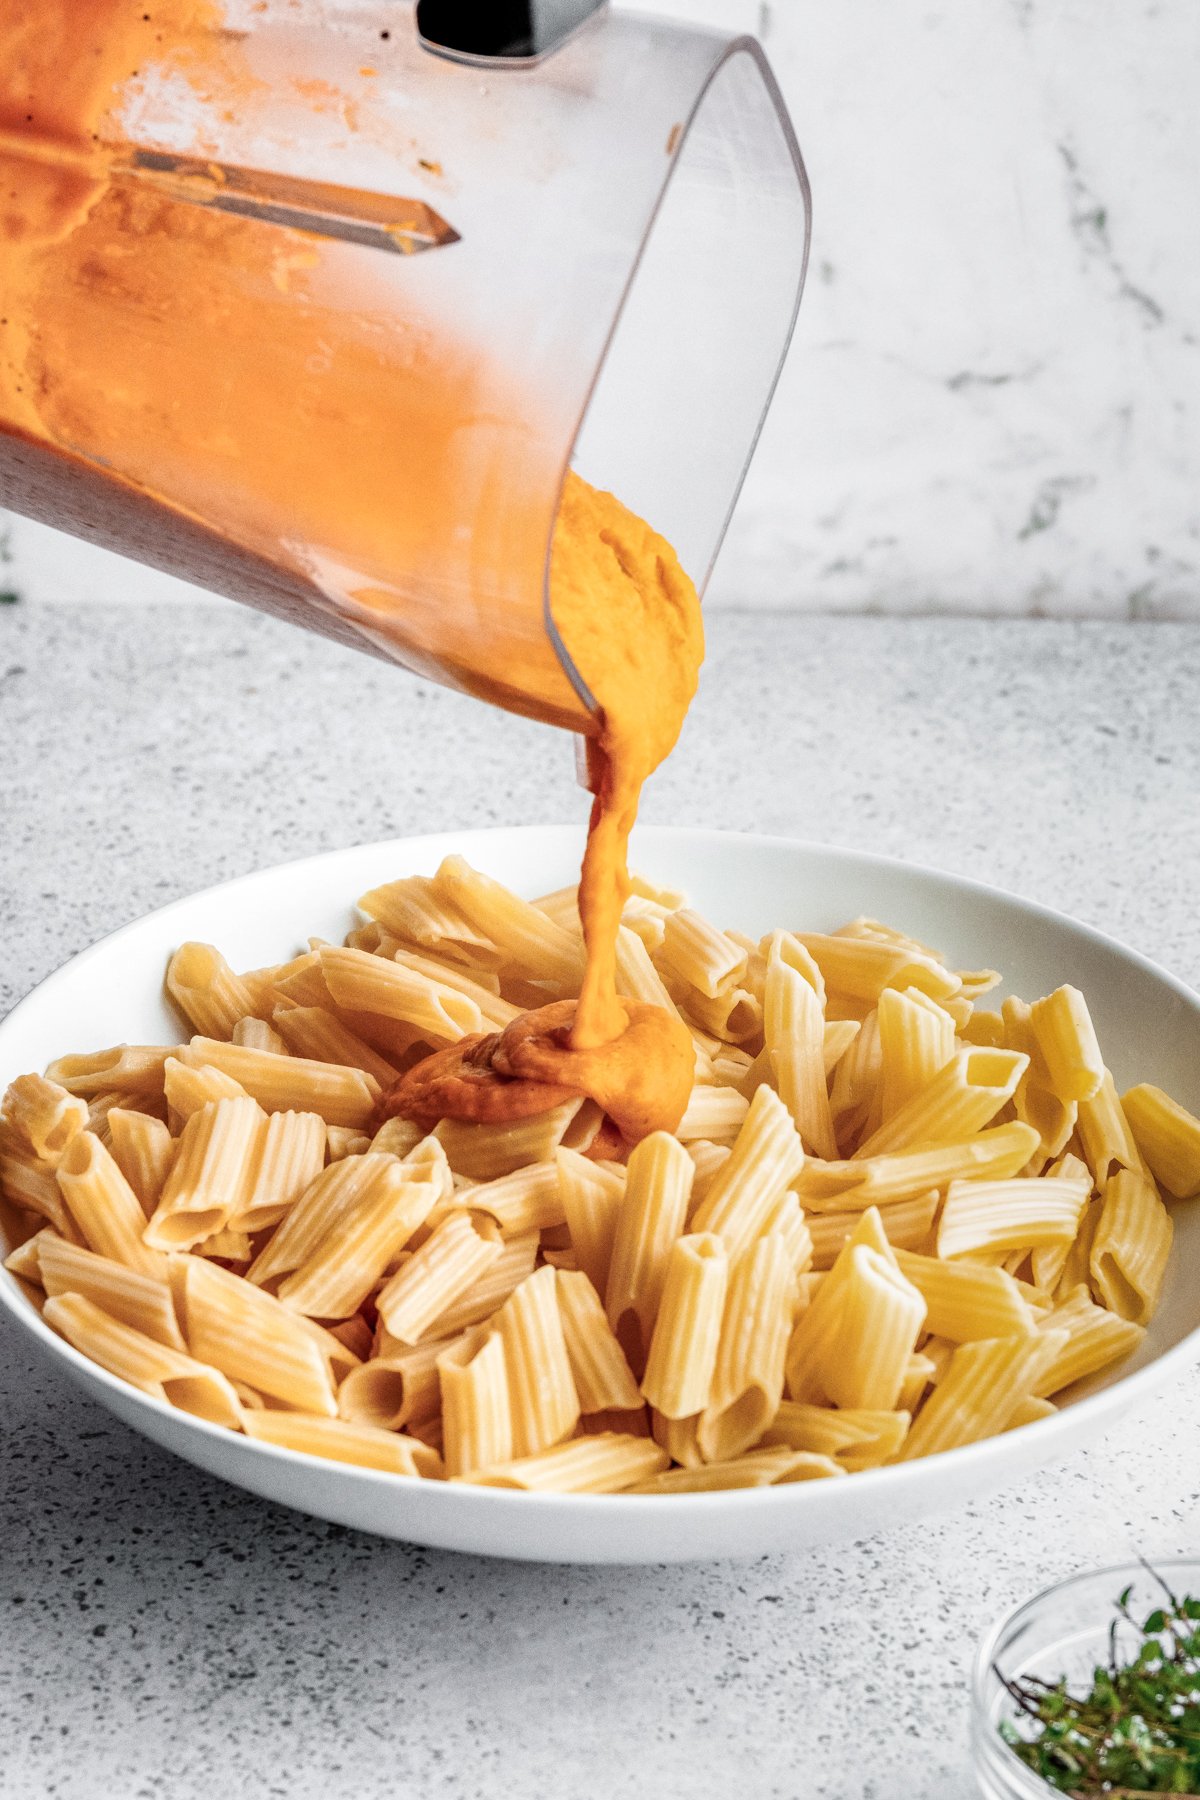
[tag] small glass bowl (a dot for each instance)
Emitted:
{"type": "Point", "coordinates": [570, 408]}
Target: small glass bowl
{"type": "Point", "coordinates": [1061, 1632]}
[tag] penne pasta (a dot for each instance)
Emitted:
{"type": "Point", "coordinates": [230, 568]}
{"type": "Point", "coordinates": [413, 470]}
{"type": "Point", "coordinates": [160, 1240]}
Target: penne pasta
{"type": "Point", "coordinates": [916, 1041]}
{"type": "Point", "coordinates": [591, 1198]}
{"type": "Point", "coordinates": [607, 1463]}
{"type": "Point", "coordinates": [29, 1183]}
{"type": "Point", "coordinates": [486, 1152]}
{"type": "Point", "coordinates": [207, 992]}
{"type": "Point", "coordinates": [529, 942]}
{"type": "Point", "coordinates": [651, 1217]}
{"type": "Point", "coordinates": [603, 1379]}
{"type": "Point", "coordinates": [104, 1206]}
{"type": "Point", "coordinates": [340, 1440]}
{"type": "Point", "coordinates": [962, 1098]}
{"type": "Point", "coordinates": [1167, 1136]}
{"type": "Point", "coordinates": [188, 1088]}
{"type": "Point", "coordinates": [477, 1420]}
{"type": "Point", "coordinates": [414, 910]}
{"type": "Point", "coordinates": [143, 1302]}
{"type": "Point", "coordinates": [143, 1149]}
{"type": "Point", "coordinates": [210, 1176]}
{"type": "Point", "coordinates": [349, 1257]}
{"type": "Point", "coordinates": [1010, 1215]}
{"type": "Point", "coordinates": [256, 1034]}
{"type": "Point", "coordinates": [964, 1301]}
{"type": "Point", "coordinates": [530, 1199]}
{"type": "Point", "coordinates": [794, 1040]}
{"type": "Point", "coordinates": [1064, 1031]}
{"type": "Point", "coordinates": [1104, 1135]}
{"type": "Point", "coordinates": [44, 1115]}
{"type": "Point", "coordinates": [1086, 1338]}
{"type": "Point", "coordinates": [906, 1224]}
{"type": "Point", "coordinates": [505, 1273]}
{"type": "Point", "coordinates": [340, 1095]}
{"type": "Point", "coordinates": [863, 967]}
{"type": "Point", "coordinates": [1130, 1247]}
{"type": "Point", "coordinates": [156, 1369]}
{"type": "Point", "coordinates": [770, 1467]}
{"type": "Point", "coordinates": [126, 1069]}
{"type": "Point", "coordinates": [766, 1158]}
{"type": "Point", "coordinates": [982, 1388]}
{"type": "Point", "coordinates": [545, 1405]}
{"type": "Point", "coordinates": [756, 1324]}
{"type": "Point", "coordinates": [319, 1035]}
{"type": "Point", "coordinates": [398, 1387]}
{"type": "Point", "coordinates": [853, 1438]}
{"type": "Point", "coordinates": [994, 1155]}
{"type": "Point", "coordinates": [716, 1114]}
{"type": "Point", "coordinates": [687, 1327]}
{"type": "Point", "coordinates": [250, 1337]}
{"type": "Point", "coordinates": [445, 1268]}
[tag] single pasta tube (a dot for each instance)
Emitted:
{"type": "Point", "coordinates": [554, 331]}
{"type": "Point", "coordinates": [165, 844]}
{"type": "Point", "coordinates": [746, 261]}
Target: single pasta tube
{"type": "Point", "coordinates": [256, 1034]}
{"type": "Point", "coordinates": [591, 1198]}
{"type": "Point", "coordinates": [340, 1440]}
{"type": "Point", "coordinates": [143, 1149]}
{"type": "Point", "coordinates": [983, 1385]}
{"type": "Point", "coordinates": [545, 1406]}
{"type": "Point", "coordinates": [964, 1300]}
{"type": "Point", "coordinates": [1167, 1136]}
{"type": "Point", "coordinates": [477, 1423]}
{"type": "Point", "coordinates": [1132, 1241]}
{"type": "Point", "coordinates": [603, 1379]}
{"type": "Point", "coordinates": [188, 1088]}
{"type": "Point", "coordinates": [607, 1463]}
{"type": "Point", "coordinates": [489, 1292]}
{"type": "Point", "coordinates": [529, 942]}
{"type": "Point", "coordinates": [770, 1467]}
{"type": "Point", "coordinates": [445, 1267]}
{"type": "Point", "coordinates": [906, 1224]}
{"type": "Point", "coordinates": [766, 1158]}
{"type": "Point", "coordinates": [1087, 1338]}
{"type": "Point", "coordinates": [961, 1099]}
{"type": "Point", "coordinates": [794, 1032]}
{"type": "Point", "coordinates": [105, 1207]}
{"type": "Point", "coordinates": [210, 1176]}
{"type": "Point", "coordinates": [318, 1034]}
{"type": "Point", "coordinates": [350, 1257]}
{"type": "Point", "coordinates": [292, 1083]}
{"type": "Point", "coordinates": [651, 1218]}
{"type": "Point", "coordinates": [207, 992]}
{"type": "Point", "coordinates": [125, 1069]}
{"type": "Point", "coordinates": [395, 1388]}
{"type": "Point", "coordinates": [412, 909]}
{"type": "Point", "coordinates": [1010, 1215]}
{"type": "Point", "coordinates": [45, 1115]}
{"type": "Point", "coordinates": [485, 1152]}
{"type": "Point", "coordinates": [916, 1041]}
{"type": "Point", "coordinates": [747, 1382]}
{"type": "Point", "coordinates": [687, 1329]}
{"type": "Point", "coordinates": [1064, 1030]}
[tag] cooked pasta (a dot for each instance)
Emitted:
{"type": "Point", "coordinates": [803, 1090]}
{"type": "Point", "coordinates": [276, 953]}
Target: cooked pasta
{"type": "Point", "coordinates": [886, 1223]}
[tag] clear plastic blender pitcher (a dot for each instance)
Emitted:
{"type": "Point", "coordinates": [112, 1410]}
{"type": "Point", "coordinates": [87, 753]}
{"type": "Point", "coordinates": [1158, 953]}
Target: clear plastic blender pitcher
{"type": "Point", "coordinates": [314, 301]}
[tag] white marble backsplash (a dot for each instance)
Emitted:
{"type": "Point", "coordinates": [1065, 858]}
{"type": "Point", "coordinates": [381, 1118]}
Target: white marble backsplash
{"type": "Point", "coordinates": [992, 399]}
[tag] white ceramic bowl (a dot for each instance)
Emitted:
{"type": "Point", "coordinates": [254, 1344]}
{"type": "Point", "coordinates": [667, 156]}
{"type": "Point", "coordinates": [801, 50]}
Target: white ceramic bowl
{"type": "Point", "coordinates": [1148, 1022]}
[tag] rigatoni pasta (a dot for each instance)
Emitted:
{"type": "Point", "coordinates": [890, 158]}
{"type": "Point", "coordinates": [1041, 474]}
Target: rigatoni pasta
{"type": "Point", "coordinates": [887, 1224]}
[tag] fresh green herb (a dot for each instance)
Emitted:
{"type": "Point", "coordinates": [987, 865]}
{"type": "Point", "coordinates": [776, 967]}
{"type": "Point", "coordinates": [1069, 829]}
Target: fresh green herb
{"type": "Point", "coordinates": [1137, 1731]}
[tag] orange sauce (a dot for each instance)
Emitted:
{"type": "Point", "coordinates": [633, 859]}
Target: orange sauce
{"type": "Point", "coordinates": [97, 422]}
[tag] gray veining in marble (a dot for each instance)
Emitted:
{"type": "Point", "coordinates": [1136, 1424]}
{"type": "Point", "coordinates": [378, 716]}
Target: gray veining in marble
{"type": "Point", "coordinates": [164, 1637]}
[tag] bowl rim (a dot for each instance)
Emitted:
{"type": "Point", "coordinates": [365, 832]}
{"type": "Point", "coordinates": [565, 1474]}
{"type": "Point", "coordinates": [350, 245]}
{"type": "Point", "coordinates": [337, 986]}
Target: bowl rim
{"type": "Point", "coordinates": [985, 1655]}
{"type": "Point", "coordinates": [1092, 1409]}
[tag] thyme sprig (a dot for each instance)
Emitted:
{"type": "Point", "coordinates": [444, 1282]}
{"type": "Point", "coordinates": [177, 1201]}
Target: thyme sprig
{"type": "Point", "coordinates": [1137, 1731]}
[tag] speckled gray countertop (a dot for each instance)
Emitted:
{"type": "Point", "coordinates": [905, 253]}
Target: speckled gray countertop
{"type": "Point", "coordinates": [167, 1637]}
